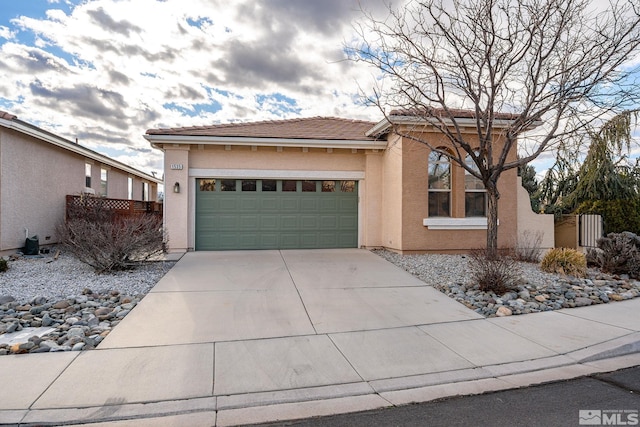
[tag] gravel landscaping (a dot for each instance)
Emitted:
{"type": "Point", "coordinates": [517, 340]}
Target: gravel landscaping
{"type": "Point", "coordinates": [539, 291]}
{"type": "Point", "coordinates": [73, 307]}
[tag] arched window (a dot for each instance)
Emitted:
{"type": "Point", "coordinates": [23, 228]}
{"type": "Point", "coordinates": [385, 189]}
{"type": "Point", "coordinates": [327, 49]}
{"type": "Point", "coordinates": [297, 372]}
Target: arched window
{"type": "Point", "coordinates": [439, 185]}
{"type": "Point", "coordinates": [475, 195]}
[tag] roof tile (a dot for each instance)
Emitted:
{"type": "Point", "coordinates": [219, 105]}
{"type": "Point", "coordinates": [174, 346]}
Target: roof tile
{"type": "Point", "coordinates": [7, 116]}
{"type": "Point", "coordinates": [328, 128]}
{"type": "Point", "coordinates": [451, 113]}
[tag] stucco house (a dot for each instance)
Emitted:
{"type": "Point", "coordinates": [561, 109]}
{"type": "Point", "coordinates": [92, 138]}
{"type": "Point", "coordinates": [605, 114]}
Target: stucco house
{"type": "Point", "coordinates": [327, 182]}
{"type": "Point", "coordinates": [38, 169]}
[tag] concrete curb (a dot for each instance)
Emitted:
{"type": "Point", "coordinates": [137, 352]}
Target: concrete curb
{"type": "Point", "coordinates": [341, 398]}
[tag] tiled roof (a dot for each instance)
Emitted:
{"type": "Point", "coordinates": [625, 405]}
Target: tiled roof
{"type": "Point", "coordinates": [7, 116]}
{"type": "Point", "coordinates": [325, 128]}
{"type": "Point", "coordinates": [453, 112]}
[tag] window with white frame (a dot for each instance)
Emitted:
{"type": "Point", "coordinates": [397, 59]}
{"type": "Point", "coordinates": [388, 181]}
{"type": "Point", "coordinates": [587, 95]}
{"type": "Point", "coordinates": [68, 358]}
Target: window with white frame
{"type": "Point", "coordinates": [145, 191]}
{"type": "Point", "coordinates": [129, 187]}
{"type": "Point", "coordinates": [87, 175]}
{"type": "Point", "coordinates": [103, 182]}
{"type": "Point", "coordinates": [475, 195]}
{"type": "Point", "coordinates": [439, 185]}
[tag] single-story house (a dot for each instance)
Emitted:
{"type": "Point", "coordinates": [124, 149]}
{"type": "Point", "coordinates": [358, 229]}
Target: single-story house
{"type": "Point", "coordinates": [38, 169]}
{"type": "Point", "coordinates": [326, 182]}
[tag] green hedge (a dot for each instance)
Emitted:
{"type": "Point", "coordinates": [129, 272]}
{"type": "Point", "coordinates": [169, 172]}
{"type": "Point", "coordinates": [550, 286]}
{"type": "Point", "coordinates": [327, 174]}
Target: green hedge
{"type": "Point", "coordinates": [618, 215]}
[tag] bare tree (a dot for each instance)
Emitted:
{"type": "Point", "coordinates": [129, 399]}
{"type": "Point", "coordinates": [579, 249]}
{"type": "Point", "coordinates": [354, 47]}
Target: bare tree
{"type": "Point", "coordinates": [553, 65]}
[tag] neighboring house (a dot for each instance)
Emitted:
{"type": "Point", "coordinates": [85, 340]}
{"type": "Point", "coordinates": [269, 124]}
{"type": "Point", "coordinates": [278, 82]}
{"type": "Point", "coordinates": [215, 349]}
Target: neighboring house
{"type": "Point", "coordinates": [324, 183]}
{"type": "Point", "coordinates": [38, 169]}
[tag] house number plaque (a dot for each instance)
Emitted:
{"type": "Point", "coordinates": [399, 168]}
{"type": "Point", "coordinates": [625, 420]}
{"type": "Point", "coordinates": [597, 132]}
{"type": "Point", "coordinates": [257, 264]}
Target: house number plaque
{"type": "Point", "coordinates": [176, 167]}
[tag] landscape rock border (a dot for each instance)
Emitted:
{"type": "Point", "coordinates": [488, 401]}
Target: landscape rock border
{"type": "Point", "coordinates": [539, 291]}
{"type": "Point", "coordinates": [81, 320]}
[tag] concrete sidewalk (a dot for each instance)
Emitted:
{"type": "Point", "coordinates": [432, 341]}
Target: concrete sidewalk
{"type": "Point", "coordinates": [230, 338]}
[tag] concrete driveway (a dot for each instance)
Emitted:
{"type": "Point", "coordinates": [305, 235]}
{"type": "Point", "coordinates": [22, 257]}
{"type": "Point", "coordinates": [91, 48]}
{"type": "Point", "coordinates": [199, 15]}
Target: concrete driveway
{"type": "Point", "coordinates": [251, 336]}
{"type": "Point", "coordinates": [231, 296]}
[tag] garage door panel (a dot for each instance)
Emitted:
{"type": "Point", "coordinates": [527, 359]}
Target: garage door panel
{"type": "Point", "coordinates": [269, 204]}
{"type": "Point", "coordinates": [328, 222]}
{"type": "Point", "coordinates": [268, 240]}
{"type": "Point", "coordinates": [248, 205]}
{"type": "Point", "coordinates": [328, 204]}
{"type": "Point", "coordinates": [269, 222]}
{"type": "Point", "coordinates": [347, 222]}
{"type": "Point", "coordinates": [309, 205]}
{"type": "Point", "coordinates": [227, 204]}
{"type": "Point", "coordinates": [247, 240]}
{"type": "Point", "coordinates": [290, 240]}
{"type": "Point", "coordinates": [250, 222]}
{"type": "Point", "coordinates": [290, 204]}
{"type": "Point", "coordinates": [228, 222]}
{"type": "Point", "coordinates": [309, 222]}
{"type": "Point", "coordinates": [328, 240]}
{"type": "Point", "coordinates": [275, 219]}
{"type": "Point", "coordinates": [308, 240]}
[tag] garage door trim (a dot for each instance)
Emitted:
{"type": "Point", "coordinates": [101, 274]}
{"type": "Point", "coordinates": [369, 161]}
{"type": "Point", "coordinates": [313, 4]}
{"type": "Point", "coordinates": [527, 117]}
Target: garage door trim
{"type": "Point", "coordinates": [275, 174]}
{"type": "Point", "coordinates": [322, 234]}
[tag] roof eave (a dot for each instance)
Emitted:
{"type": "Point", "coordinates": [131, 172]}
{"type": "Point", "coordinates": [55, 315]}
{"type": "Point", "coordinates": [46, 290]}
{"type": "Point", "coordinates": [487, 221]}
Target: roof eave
{"type": "Point", "coordinates": [35, 132]}
{"type": "Point", "coordinates": [384, 126]}
{"type": "Point", "coordinates": [157, 140]}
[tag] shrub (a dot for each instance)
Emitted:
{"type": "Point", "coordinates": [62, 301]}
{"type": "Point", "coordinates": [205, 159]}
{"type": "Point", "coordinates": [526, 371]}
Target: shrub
{"type": "Point", "coordinates": [565, 261]}
{"type": "Point", "coordinates": [4, 266]}
{"type": "Point", "coordinates": [527, 247]}
{"type": "Point", "coordinates": [617, 253]}
{"type": "Point", "coordinates": [498, 275]}
{"type": "Point", "coordinates": [107, 241]}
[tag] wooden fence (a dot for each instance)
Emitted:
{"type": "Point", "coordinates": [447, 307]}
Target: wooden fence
{"type": "Point", "coordinates": [119, 207]}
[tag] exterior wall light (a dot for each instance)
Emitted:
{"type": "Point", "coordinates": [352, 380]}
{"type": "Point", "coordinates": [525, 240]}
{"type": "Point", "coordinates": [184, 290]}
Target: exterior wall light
{"type": "Point", "coordinates": [176, 187]}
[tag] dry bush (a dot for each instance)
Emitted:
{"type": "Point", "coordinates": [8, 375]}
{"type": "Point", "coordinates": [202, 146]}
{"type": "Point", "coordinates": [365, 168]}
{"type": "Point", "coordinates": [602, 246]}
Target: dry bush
{"type": "Point", "coordinates": [617, 253]}
{"type": "Point", "coordinates": [108, 241]}
{"type": "Point", "coordinates": [527, 247]}
{"type": "Point", "coordinates": [498, 275]}
{"type": "Point", "coordinates": [565, 261]}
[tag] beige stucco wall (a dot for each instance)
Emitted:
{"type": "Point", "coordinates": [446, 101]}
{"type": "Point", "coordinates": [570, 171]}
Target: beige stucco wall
{"type": "Point", "coordinates": [244, 157]}
{"type": "Point", "coordinates": [213, 160]}
{"type": "Point", "coordinates": [393, 191]}
{"type": "Point", "coordinates": [177, 219]}
{"type": "Point", "coordinates": [531, 224]}
{"type": "Point", "coordinates": [371, 222]}
{"type": "Point", "coordinates": [418, 238]}
{"type": "Point", "coordinates": [35, 177]}
{"type": "Point", "coordinates": [392, 195]}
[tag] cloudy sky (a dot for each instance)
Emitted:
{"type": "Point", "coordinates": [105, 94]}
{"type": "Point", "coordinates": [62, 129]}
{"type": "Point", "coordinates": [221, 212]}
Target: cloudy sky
{"type": "Point", "coordinates": [105, 71]}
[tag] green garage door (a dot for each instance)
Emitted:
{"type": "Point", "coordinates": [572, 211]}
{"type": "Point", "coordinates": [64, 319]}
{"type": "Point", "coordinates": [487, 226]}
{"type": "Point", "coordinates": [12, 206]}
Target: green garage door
{"type": "Point", "coordinates": [275, 214]}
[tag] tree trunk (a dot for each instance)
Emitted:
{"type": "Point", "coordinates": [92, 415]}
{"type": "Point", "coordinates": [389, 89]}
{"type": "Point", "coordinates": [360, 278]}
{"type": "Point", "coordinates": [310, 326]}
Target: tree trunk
{"type": "Point", "coordinates": [492, 220]}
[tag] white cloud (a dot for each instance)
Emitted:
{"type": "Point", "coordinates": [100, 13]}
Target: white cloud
{"type": "Point", "coordinates": [109, 70]}
{"type": "Point", "coordinates": [6, 33]}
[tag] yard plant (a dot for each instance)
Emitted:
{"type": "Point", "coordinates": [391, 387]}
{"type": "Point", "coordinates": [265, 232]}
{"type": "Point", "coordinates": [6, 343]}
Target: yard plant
{"type": "Point", "coordinates": [108, 241]}
{"type": "Point", "coordinates": [565, 261]}
{"type": "Point", "coordinates": [498, 274]}
{"type": "Point", "coordinates": [617, 253]}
